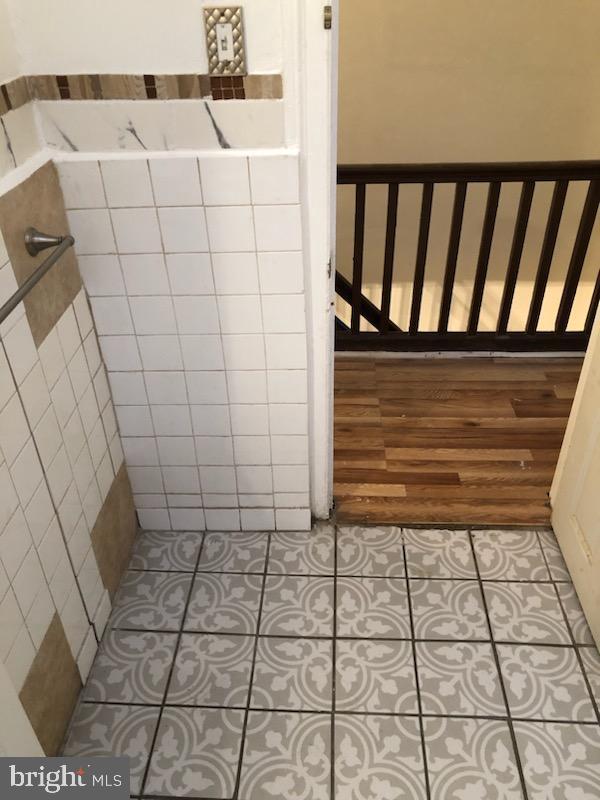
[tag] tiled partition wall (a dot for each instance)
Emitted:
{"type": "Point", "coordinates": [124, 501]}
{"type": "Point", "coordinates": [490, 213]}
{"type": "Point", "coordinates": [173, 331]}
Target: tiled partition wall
{"type": "Point", "coordinates": [66, 514]}
{"type": "Point", "coordinates": [194, 267]}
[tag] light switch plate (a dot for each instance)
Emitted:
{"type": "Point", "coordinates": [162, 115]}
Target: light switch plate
{"type": "Point", "coordinates": [213, 18]}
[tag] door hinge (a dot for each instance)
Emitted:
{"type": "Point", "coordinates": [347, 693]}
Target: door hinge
{"type": "Point", "coordinates": [327, 17]}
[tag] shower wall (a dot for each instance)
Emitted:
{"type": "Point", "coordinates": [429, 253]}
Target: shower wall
{"type": "Point", "coordinates": [194, 266]}
{"type": "Point", "coordinates": [67, 520]}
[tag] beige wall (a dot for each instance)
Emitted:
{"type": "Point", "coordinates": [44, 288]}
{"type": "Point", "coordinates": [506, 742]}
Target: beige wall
{"type": "Point", "coordinates": [505, 80]}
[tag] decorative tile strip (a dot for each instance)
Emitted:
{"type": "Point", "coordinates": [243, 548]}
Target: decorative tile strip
{"type": "Point", "coordinates": [139, 87]}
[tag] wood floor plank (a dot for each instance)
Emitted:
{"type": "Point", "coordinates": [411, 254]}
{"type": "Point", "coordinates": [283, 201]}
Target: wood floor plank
{"type": "Point", "coordinates": [449, 441]}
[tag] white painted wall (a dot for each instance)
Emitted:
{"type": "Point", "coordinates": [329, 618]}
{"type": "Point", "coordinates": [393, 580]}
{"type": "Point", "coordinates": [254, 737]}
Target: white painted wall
{"type": "Point", "coordinates": [9, 59]}
{"type": "Point", "coordinates": [136, 36]}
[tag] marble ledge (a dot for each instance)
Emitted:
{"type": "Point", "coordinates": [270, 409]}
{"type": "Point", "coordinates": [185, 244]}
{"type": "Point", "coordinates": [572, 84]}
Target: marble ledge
{"type": "Point", "coordinates": [140, 126]}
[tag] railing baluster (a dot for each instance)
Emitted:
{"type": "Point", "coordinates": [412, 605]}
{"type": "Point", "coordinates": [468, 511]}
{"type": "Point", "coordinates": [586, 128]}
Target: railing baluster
{"type": "Point", "coordinates": [580, 248]}
{"type": "Point", "coordinates": [388, 260]}
{"type": "Point", "coordinates": [458, 210]}
{"type": "Point", "coordinates": [489, 223]}
{"type": "Point", "coordinates": [357, 269]}
{"type": "Point", "coordinates": [516, 251]}
{"type": "Point", "coordinates": [417, 293]}
{"type": "Point", "coordinates": [591, 315]}
{"type": "Point", "coordinates": [548, 245]}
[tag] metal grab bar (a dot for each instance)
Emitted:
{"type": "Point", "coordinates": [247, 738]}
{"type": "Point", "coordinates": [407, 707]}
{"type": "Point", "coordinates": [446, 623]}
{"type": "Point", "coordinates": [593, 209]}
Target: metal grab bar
{"type": "Point", "coordinates": [35, 242]}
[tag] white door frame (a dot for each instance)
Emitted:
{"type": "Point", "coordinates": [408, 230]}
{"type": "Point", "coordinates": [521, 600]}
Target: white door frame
{"type": "Point", "coordinates": [317, 89]}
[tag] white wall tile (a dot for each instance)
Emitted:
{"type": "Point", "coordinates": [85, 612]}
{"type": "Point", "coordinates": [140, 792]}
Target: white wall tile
{"type": "Point", "coordinates": [39, 618]}
{"type": "Point", "coordinates": [83, 472]}
{"type": "Point", "coordinates": [88, 410]}
{"type": "Point", "coordinates": [15, 543]}
{"type": "Point", "coordinates": [257, 519]}
{"type": "Point", "coordinates": [235, 273]}
{"type": "Point", "coordinates": [240, 314]}
{"type": "Point", "coordinates": [145, 274]}
{"type": "Point", "coordinates": [101, 275]}
{"type": "Point", "coordinates": [11, 622]}
{"type": "Point", "coordinates": [104, 475]}
{"type": "Point", "coordinates": [63, 580]}
{"type": "Point", "coordinates": [249, 420]}
{"type": "Point", "coordinates": [156, 519]}
{"type": "Point", "coordinates": [287, 386]}
{"type": "Point", "coordinates": [127, 183]}
{"type": "Point", "coordinates": [152, 315]}
{"type": "Point", "coordinates": [286, 350]}
{"type": "Point", "coordinates": [288, 519]}
{"type": "Point", "coordinates": [292, 500]}
{"type": "Point", "coordinates": [20, 349]}
{"type": "Point", "coordinates": [134, 420]}
{"type": "Point", "coordinates": [214, 450]}
{"type": "Point", "coordinates": [220, 500]}
{"type": "Point", "coordinates": [183, 229]}
{"type": "Point", "coordinates": [187, 519]}
{"type": "Point", "coordinates": [48, 437]}
{"type": "Point", "coordinates": [128, 388]}
{"type": "Point", "coordinates": [8, 496]}
{"type": "Point", "coordinates": [70, 510]}
{"type": "Point", "coordinates": [81, 184]}
{"type": "Point", "coordinates": [92, 353]}
{"type": "Point", "coordinates": [102, 614]}
{"type": "Point", "coordinates": [101, 388]}
{"type": "Point", "coordinates": [51, 358]}
{"type": "Point", "coordinates": [256, 501]}
{"type": "Point", "coordinates": [74, 436]}
{"type": "Point", "coordinates": [230, 229]}
{"type": "Point", "coordinates": [63, 399]}
{"type": "Point", "coordinates": [151, 500]}
{"type": "Point", "coordinates": [176, 451]}
{"type": "Point", "coordinates": [252, 449]}
{"type": "Point", "coordinates": [281, 273]}
{"type": "Point", "coordinates": [92, 503]}
{"type": "Point", "coordinates": [176, 181]}
{"type": "Point", "coordinates": [92, 231]}
{"type": "Point", "coordinates": [181, 479]}
{"type": "Point", "coordinates": [26, 473]}
{"type": "Point", "coordinates": [244, 351]}
{"type": "Point", "coordinates": [82, 313]}
{"type": "Point", "coordinates": [171, 420]}
{"type": "Point", "coordinates": [222, 519]}
{"type": "Point", "coordinates": [28, 581]}
{"type": "Point", "coordinates": [51, 549]}
{"type": "Point", "coordinates": [255, 479]}
{"type": "Point", "coordinates": [39, 512]}
{"type": "Point", "coordinates": [68, 333]}
{"type": "Point", "coordinates": [166, 388]}
{"type": "Point", "coordinates": [288, 418]}
{"type": "Point", "coordinates": [112, 316]}
{"type": "Point", "coordinates": [284, 313]}
{"type": "Point", "coordinates": [247, 386]}
{"type": "Point", "coordinates": [140, 451]}
{"type": "Point", "coordinates": [59, 475]}
{"type": "Point", "coordinates": [278, 227]}
{"type": "Point", "coordinates": [274, 179]}
{"type": "Point", "coordinates": [160, 352]}
{"type": "Point", "coordinates": [145, 479]}
{"type": "Point", "coordinates": [136, 230]}
{"type": "Point", "coordinates": [202, 352]}
{"type": "Point", "coordinates": [190, 273]}
{"type": "Point", "coordinates": [120, 353]}
{"type": "Point", "coordinates": [289, 449]}
{"type": "Point", "coordinates": [86, 655]}
{"type": "Point", "coordinates": [218, 480]}
{"type": "Point", "coordinates": [116, 452]}
{"type": "Point", "coordinates": [109, 421]}
{"type": "Point", "coordinates": [210, 420]}
{"type": "Point", "coordinates": [290, 478]}
{"type": "Point", "coordinates": [97, 444]}
{"type": "Point", "coordinates": [225, 181]}
{"type": "Point", "coordinates": [14, 430]}
{"type": "Point", "coordinates": [19, 660]}
{"type": "Point", "coordinates": [79, 373]}
{"type": "Point", "coordinates": [196, 314]}
{"type": "Point", "coordinates": [74, 620]}
{"type": "Point", "coordinates": [206, 388]}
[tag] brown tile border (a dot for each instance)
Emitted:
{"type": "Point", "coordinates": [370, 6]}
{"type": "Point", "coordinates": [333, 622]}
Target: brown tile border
{"type": "Point", "coordinates": [114, 532]}
{"type": "Point", "coordinates": [51, 688]}
{"type": "Point", "coordinates": [138, 87]}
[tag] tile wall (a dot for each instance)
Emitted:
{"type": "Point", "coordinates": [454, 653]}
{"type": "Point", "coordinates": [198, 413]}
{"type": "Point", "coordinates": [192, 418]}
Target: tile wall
{"type": "Point", "coordinates": [194, 268]}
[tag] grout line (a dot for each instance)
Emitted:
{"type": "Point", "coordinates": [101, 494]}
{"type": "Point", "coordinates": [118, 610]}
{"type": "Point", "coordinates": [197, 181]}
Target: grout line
{"type": "Point", "coordinates": [252, 668]}
{"type": "Point", "coordinates": [499, 671]}
{"type": "Point", "coordinates": [416, 672]}
{"type": "Point", "coordinates": [168, 682]}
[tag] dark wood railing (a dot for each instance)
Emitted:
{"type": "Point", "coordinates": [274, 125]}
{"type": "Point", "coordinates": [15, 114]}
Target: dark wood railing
{"type": "Point", "coordinates": [389, 336]}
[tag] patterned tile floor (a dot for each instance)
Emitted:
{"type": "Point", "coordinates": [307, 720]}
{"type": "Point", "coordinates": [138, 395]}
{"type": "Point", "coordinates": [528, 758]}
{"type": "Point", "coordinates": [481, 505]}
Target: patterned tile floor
{"type": "Point", "coordinates": [347, 664]}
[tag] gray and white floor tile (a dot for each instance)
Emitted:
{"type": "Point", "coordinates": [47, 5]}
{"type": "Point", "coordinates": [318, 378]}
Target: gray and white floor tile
{"type": "Point", "coordinates": [309, 553]}
{"type": "Point", "coordinates": [372, 607]}
{"type": "Point", "coordinates": [234, 552]}
{"type": "Point", "coordinates": [526, 612]}
{"type": "Point", "coordinates": [554, 559]}
{"type": "Point", "coordinates": [439, 554]}
{"type": "Point", "coordinates": [152, 601]}
{"type": "Point", "coordinates": [172, 551]}
{"type": "Point", "coordinates": [370, 551]}
{"type": "Point", "coordinates": [224, 603]}
{"type": "Point", "coordinates": [447, 609]}
{"type": "Point", "coordinates": [575, 616]}
{"type": "Point", "coordinates": [510, 556]}
{"type": "Point", "coordinates": [297, 606]}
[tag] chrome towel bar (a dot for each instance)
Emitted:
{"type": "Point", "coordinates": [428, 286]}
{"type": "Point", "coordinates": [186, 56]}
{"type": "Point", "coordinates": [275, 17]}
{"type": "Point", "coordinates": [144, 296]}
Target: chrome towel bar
{"type": "Point", "coordinates": [35, 242]}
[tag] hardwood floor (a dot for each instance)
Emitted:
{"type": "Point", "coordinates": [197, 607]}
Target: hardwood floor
{"type": "Point", "coordinates": [449, 441]}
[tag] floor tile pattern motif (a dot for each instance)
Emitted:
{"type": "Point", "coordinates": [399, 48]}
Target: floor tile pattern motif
{"type": "Point", "coordinates": [347, 664]}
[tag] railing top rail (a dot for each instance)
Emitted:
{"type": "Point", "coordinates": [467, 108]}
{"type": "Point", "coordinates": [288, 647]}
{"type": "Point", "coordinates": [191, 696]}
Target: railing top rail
{"type": "Point", "coordinates": [471, 172]}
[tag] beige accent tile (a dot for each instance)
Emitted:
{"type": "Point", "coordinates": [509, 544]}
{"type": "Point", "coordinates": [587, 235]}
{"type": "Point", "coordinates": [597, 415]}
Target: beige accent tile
{"type": "Point", "coordinates": [114, 531]}
{"type": "Point", "coordinates": [18, 92]}
{"type": "Point", "coordinates": [263, 87]}
{"type": "Point", "coordinates": [43, 87]}
{"type": "Point", "coordinates": [51, 689]}
{"type": "Point", "coordinates": [123, 87]}
{"type": "Point", "coordinates": [38, 201]}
